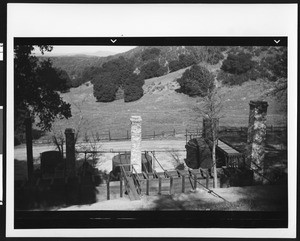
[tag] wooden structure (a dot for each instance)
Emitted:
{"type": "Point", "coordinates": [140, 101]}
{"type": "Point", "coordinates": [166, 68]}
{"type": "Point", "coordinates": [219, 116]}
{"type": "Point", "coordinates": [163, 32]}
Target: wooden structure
{"type": "Point", "coordinates": [228, 156]}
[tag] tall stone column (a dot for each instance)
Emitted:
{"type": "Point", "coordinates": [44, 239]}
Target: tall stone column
{"type": "Point", "coordinates": [70, 152]}
{"type": "Point", "coordinates": [257, 131]}
{"type": "Point", "coordinates": [136, 138]}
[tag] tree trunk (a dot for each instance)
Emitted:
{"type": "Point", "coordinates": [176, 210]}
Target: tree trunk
{"type": "Point", "coordinates": [214, 159]}
{"type": "Point", "coordinates": [28, 125]}
{"type": "Point", "coordinates": [214, 144]}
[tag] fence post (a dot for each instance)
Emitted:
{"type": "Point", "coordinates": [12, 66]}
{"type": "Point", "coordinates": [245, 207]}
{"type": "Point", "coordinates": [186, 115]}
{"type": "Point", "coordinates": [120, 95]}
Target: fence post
{"type": "Point", "coordinates": [121, 187]}
{"type": "Point", "coordinates": [195, 181]}
{"type": "Point", "coordinates": [109, 137]}
{"type": "Point", "coordinates": [147, 186]}
{"type": "Point", "coordinates": [127, 135]}
{"type": "Point", "coordinates": [171, 185]}
{"type": "Point", "coordinates": [154, 134]}
{"type": "Point", "coordinates": [182, 183]}
{"type": "Point", "coordinates": [159, 185]}
{"type": "Point", "coordinates": [207, 179]}
{"type": "Point", "coordinates": [108, 191]}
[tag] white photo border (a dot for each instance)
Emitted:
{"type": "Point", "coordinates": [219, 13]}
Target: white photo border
{"type": "Point", "coordinates": [157, 20]}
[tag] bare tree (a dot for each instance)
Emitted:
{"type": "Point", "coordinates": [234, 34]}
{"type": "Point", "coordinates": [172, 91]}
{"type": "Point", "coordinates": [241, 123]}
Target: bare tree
{"type": "Point", "coordinates": [210, 109]}
{"type": "Point", "coordinates": [58, 136]}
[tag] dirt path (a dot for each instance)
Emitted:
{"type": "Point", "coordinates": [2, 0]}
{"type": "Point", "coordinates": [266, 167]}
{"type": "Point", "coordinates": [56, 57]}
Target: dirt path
{"type": "Point", "coordinates": [164, 153]}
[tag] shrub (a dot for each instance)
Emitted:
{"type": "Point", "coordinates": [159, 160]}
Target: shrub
{"type": "Point", "coordinates": [214, 55]}
{"type": "Point", "coordinates": [187, 60]}
{"type": "Point", "coordinates": [105, 90]}
{"type": "Point", "coordinates": [276, 64]}
{"type": "Point", "coordinates": [174, 65]}
{"type": "Point", "coordinates": [237, 64]}
{"type": "Point", "coordinates": [112, 76]}
{"type": "Point", "coordinates": [196, 81]}
{"type": "Point", "coordinates": [132, 93]}
{"type": "Point", "coordinates": [150, 70]}
{"type": "Point", "coordinates": [183, 62]}
{"type": "Point", "coordinates": [150, 54]}
{"type": "Point", "coordinates": [232, 79]}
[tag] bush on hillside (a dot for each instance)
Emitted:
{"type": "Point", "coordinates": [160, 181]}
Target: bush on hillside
{"type": "Point", "coordinates": [276, 64]}
{"type": "Point", "coordinates": [174, 65]}
{"type": "Point", "coordinates": [133, 93]}
{"type": "Point", "coordinates": [182, 62]}
{"type": "Point", "coordinates": [134, 79]}
{"type": "Point", "coordinates": [232, 79]}
{"type": "Point", "coordinates": [150, 70]}
{"type": "Point", "coordinates": [112, 76]}
{"type": "Point", "coordinates": [105, 89]}
{"type": "Point", "coordinates": [150, 54]}
{"type": "Point", "coordinates": [214, 57]}
{"type": "Point", "coordinates": [187, 60]}
{"type": "Point", "coordinates": [237, 64]}
{"type": "Point", "coordinates": [196, 81]}
{"type": "Point", "coordinates": [88, 74]}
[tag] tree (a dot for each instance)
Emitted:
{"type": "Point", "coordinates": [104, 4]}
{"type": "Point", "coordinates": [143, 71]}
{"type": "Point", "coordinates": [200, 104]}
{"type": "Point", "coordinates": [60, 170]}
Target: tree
{"type": "Point", "coordinates": [150, 70]}
{"type": "Point", "coordinates": [35, 99]}
{"type": "Point", "coordinates": [196, 81]}
{"type": "Point", "coordinates": [132, 93]}
{"type": "Point", "coordinates": [150, 54]}
{"type": "Point", "coordinates": [53, 78]}
{"type": "Point", "coordinates": [211, 112]}
{"type": "Point", "coordinates": [33, 93]}
{"type": "Point", "coordinates": [105, 89]}
{"type": "Point", "coordinates": [238, 63]}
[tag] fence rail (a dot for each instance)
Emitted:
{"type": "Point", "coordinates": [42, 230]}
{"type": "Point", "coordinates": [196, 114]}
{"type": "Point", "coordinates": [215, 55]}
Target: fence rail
{"type": "Point", "coordinates": [147, 135]}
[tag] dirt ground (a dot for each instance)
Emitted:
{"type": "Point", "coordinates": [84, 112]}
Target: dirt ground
{"type": "Point", "coordinates": [164, 152]}
{"type": "Point", "coordinates": [252, 198]}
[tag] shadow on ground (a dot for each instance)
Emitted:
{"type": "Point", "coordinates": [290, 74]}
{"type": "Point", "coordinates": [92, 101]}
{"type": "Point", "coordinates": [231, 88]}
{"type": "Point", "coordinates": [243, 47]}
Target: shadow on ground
{"type": "Point", "coordinates": [252, 198]}
{"type": "Point", "coordinates": [55, 192]}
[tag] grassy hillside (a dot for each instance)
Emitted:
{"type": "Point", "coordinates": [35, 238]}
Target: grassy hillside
{"type": "Point", "coordinates": [164, 109]}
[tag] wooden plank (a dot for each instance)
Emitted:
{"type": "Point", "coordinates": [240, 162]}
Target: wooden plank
{"type": "Point", "coordinates": [132, 192]}
{"type": "Point", "coordinates": [172, 173]}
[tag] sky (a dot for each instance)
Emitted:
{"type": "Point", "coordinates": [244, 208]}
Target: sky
{"type": "Point", "coordinates": [71, 50]}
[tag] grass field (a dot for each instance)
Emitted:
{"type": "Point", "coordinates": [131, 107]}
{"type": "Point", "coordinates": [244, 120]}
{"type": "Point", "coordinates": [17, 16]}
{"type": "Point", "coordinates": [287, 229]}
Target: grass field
{"type": "Point", "coordinates": [164, 109]}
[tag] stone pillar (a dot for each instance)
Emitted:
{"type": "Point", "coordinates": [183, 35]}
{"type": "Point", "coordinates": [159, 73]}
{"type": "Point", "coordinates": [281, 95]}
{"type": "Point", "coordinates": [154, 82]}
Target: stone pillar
{"type": "Point", "coordinates": [136, 138]}
{"type": "Point", "coordinates": [257, 130]}
{"type": "Point", "coordinates": [70, 152]}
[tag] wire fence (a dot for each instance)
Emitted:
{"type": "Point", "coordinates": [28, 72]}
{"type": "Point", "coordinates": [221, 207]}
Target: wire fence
{"type": "Point", "coordinates": [148, 135]}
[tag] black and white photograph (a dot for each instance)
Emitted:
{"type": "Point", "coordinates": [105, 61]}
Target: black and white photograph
{"type": "Point", "coordinates": [151, 128]}
{"type": "Point", "coordinates": [146, 132]}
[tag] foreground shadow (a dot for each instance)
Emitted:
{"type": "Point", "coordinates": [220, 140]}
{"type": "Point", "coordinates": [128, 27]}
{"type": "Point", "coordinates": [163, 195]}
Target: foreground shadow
{"type": "Point", "coordinates": [57, 191]}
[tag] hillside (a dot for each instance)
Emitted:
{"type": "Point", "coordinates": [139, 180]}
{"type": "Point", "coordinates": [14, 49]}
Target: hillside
{"type": "Point", "coordinates": [162, 108]}
{"type": "Point", "coordinates": [141, 55]}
